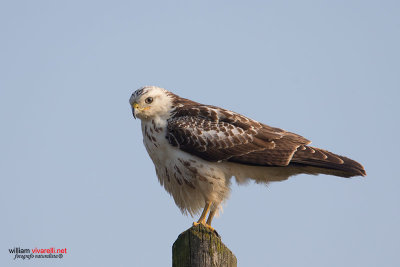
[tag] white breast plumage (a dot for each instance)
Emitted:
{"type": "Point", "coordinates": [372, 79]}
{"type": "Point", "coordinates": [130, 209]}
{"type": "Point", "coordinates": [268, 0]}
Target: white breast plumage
{"type": "Point", "coordinates": [187, 178]}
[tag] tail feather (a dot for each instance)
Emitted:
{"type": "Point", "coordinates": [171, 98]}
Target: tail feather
{"type": "Point", "coordinates": [326, 162]}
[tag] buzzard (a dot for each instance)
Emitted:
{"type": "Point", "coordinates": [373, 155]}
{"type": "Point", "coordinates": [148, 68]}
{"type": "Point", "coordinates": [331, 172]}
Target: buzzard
{"type": "Point", "coordinates": [197, 148]}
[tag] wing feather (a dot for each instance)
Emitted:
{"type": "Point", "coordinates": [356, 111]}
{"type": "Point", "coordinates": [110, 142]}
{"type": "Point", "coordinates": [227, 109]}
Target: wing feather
{"type": "Point", "coordinates": [215, 134]}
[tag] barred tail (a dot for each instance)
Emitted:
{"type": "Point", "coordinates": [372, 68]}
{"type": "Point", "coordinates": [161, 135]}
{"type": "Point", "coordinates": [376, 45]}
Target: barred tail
{"type": "Point", "coordinates": [315, 160]}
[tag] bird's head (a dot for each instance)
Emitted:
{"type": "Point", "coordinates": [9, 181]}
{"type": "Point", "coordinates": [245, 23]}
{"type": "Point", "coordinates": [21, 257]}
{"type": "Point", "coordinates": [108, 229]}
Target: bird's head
{"type": "Point", "coordinates": [150, 101]}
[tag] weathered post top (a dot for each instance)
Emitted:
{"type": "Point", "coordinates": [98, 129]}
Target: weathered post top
{"type": "Point", "coordinates": [201, 247]}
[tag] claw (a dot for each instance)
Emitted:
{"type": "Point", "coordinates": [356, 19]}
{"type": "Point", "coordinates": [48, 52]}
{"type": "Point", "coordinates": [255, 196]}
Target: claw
{"type": "Point", "coordinates": [204, 224]}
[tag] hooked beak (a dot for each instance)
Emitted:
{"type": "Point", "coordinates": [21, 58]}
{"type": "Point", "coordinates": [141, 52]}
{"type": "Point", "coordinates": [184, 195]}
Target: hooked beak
{"type": "Point", "coordinates": [135, 107]}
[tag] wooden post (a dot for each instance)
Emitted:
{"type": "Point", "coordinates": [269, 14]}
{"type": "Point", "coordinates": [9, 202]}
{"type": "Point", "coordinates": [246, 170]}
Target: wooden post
{"type": "Point", "coordinates": [200, 247]}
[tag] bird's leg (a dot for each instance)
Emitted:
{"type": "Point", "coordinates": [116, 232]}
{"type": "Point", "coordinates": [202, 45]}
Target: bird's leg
{"type": "Point", "coordinates": [202, 219]}
{"type": "Point", "coordinates": [203, 216]}
{"type": "Point", "coordinates": [210, 217]}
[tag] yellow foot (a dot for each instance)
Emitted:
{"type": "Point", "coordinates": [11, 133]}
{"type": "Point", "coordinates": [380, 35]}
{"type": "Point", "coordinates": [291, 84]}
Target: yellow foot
{"type": "Point", "coordinates": [204, 224]}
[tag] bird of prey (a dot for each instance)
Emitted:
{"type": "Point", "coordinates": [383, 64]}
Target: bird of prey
{"type": "Point", "coordinates": [197, 149]}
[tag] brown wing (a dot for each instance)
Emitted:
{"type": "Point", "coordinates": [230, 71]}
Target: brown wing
{"type": "Point", "coordinates": [215, 134]}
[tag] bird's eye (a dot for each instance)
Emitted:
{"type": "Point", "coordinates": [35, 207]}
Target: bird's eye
{"type": "Point", "coordinates": [148, 100]}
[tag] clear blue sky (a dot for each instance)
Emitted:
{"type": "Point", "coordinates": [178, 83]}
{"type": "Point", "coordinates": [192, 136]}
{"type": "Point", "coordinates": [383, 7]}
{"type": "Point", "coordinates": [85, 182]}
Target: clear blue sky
{"type": "Point", "coordinates": [74, 172]}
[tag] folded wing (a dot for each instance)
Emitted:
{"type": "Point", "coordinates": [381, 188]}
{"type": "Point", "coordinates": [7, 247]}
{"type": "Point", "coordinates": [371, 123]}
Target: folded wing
{"type": "Point", "coordinates": [215, 134]}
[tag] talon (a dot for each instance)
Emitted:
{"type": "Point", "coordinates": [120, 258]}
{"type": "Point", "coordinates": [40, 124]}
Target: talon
{"type": "Point", "coordinates": [196, 223]}
{"type": "Point", "coordinates": [204, 224]}
{"type": "Point", "coordinates": [210, 227]}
